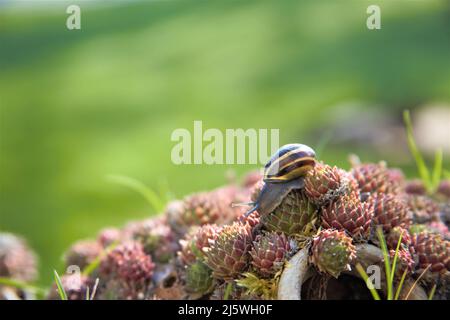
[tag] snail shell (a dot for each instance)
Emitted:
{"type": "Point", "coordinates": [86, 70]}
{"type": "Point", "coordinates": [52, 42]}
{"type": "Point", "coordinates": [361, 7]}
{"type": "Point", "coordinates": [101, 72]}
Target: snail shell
{"type": "Point", "coordinates": [283, 173]}
{"type": "Point", "coordinates": [289, 162]}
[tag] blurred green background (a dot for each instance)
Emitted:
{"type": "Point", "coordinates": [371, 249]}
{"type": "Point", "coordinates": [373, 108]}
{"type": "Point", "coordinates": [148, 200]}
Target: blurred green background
{"type": "Point", "coordinates": [76, 106]}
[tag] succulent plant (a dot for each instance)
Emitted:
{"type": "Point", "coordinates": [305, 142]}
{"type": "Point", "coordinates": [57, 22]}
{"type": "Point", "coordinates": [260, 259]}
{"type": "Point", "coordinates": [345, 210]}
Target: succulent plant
{"type": "Point", "coordinates": [423, 208]}
{"type": "Point", "coordinates": [394, 236]}
{"type": "Point", "coordinates": [82, 253]}
{"type": "Point", "coordinates": [292, 216]}
{"type": "Point", "coordinates": [404, 262]}
{"type": "Point", "coordinates": [431, 251]}
{"type": "Point", "coordinates": [440, 228]}
{"type": "Point", "coordinates": [222, 252]}
{"type": "Point", "coordinates": [228, 255]}
{"type": "Point", "coordinates": [17, 260]}
{"type": "Point", "coordinates": [415, 187]}
{"type": "Point", "coordinates": [396, 177]}
{"type": "Point", "coordinates": [375, 178]}
{"type": "Point", "coordinates": [157, 239]}
{"type": "Point", "coordinates": [348, 213]}
{"type": "Point", "coordinates": [324, 184]}
{"type": "Point", "coordinates": [252, 221]}
{"type": "Point", "coordinates": [187, 253]}
{"type": "Point", "coordinates": [444, 189]}
{"type": "Point", "coordinates": [195, 243]}
{"type": "Point", "coordinates": [130, 267]}
{"type": "Point", "coordinates": [445, 213]}
{"type": "Point", "coordinates": [332, 252]}
{"type": "Point", "coordinates": [435, 227]}
{"type": "Point", "coordinates": [204, 208]}
{"type": "Point", "coordinates": [198, 278]}
{"type": "Point", "coordinates": [390, 212]}
{"type": "Point", "coordinates": [269, 253]}
{"type": "Point", "coordinates": [205, 235]}
{"type": "Point", "coordinates": [108, 236]}
{"type": "Point", "coordinates": [353, 187]}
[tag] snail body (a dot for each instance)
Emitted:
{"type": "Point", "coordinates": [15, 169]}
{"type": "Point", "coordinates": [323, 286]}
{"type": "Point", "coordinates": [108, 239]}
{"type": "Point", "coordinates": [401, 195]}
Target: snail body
{"type": "Point", "coordinates": [283, 173]}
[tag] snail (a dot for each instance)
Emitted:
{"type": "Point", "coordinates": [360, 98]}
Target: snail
{"type": "Point", "coordinates": [283, 173]}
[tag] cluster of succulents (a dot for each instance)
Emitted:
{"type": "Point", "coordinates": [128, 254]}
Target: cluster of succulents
{"type": "Point", "coordinates": [203, 247]}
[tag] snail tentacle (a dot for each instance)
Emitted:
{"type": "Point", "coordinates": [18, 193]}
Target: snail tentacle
{"type": "Point", "coordinates": [249, 212]}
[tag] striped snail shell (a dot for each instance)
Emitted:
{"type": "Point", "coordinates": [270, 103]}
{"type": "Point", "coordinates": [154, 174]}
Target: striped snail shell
{"type": "Point", "coordinates": [283, 173]}
{"type": "Point", "coordinates": [289, 162]}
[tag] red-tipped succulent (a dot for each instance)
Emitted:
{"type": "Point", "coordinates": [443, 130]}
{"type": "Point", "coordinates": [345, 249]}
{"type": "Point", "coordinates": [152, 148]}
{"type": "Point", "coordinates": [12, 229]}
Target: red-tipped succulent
{"type": "Point", "coordinates": [432, 253]}
{"type": "Point", "coordinates": [269, 253]}
{"type": "Point", "coordinates": [375, 178]}
{"type": "Point", "coordinates": [83, 253]}
{"type": "Point", "coordinates": [229, 254]}
{"type": "Point", "coordinates": [390, 212]}
{"type": "Point", "coordinates": [324, 184]}
{"type": "Point", "coordinates": [349, 214]}
{"type": "Point", "coordinates": [129, 269]}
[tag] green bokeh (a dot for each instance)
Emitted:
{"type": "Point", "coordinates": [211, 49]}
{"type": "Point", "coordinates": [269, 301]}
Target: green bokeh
{"type": "Point", "coordinates": [76, 106]}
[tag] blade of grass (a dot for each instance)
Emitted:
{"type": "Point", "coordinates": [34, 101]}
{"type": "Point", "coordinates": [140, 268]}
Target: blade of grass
{"type": "Point", "coordinates": [228, 289]}
{"type": "Point", "coordinates": [400, 285]}
{"type": "Point", "coordinates": [387, 263]}
{"type": "Point", "coordinates": [437, 170]}
{"type": "Point", "coordinates": [61, 291]}
{"type": "Point", "coordinates": [21, 285]}
{"type": "Point", "coordinates": [96, 262]}
{"type": "Point", "coordinates": [446, 174]}
{"type": "Point", "coordinates": [92, 266]}
{"type": "Point", "coordinates": [394, 262]}
{"type": "Point", "coordinates": [417, 281]}
{"type": "Point", "coordinates": [87, 293]}
{"type": "Point", "coordinates": [365, 277]}
{"type": "Point", "coordinates": [431, 295]}
{"type": "Point", "coordinates": [420, 162]}
{"type": "Point", "coordinates": [152, 198]}
{"type": "Point", "coordinates": [94, 289]}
